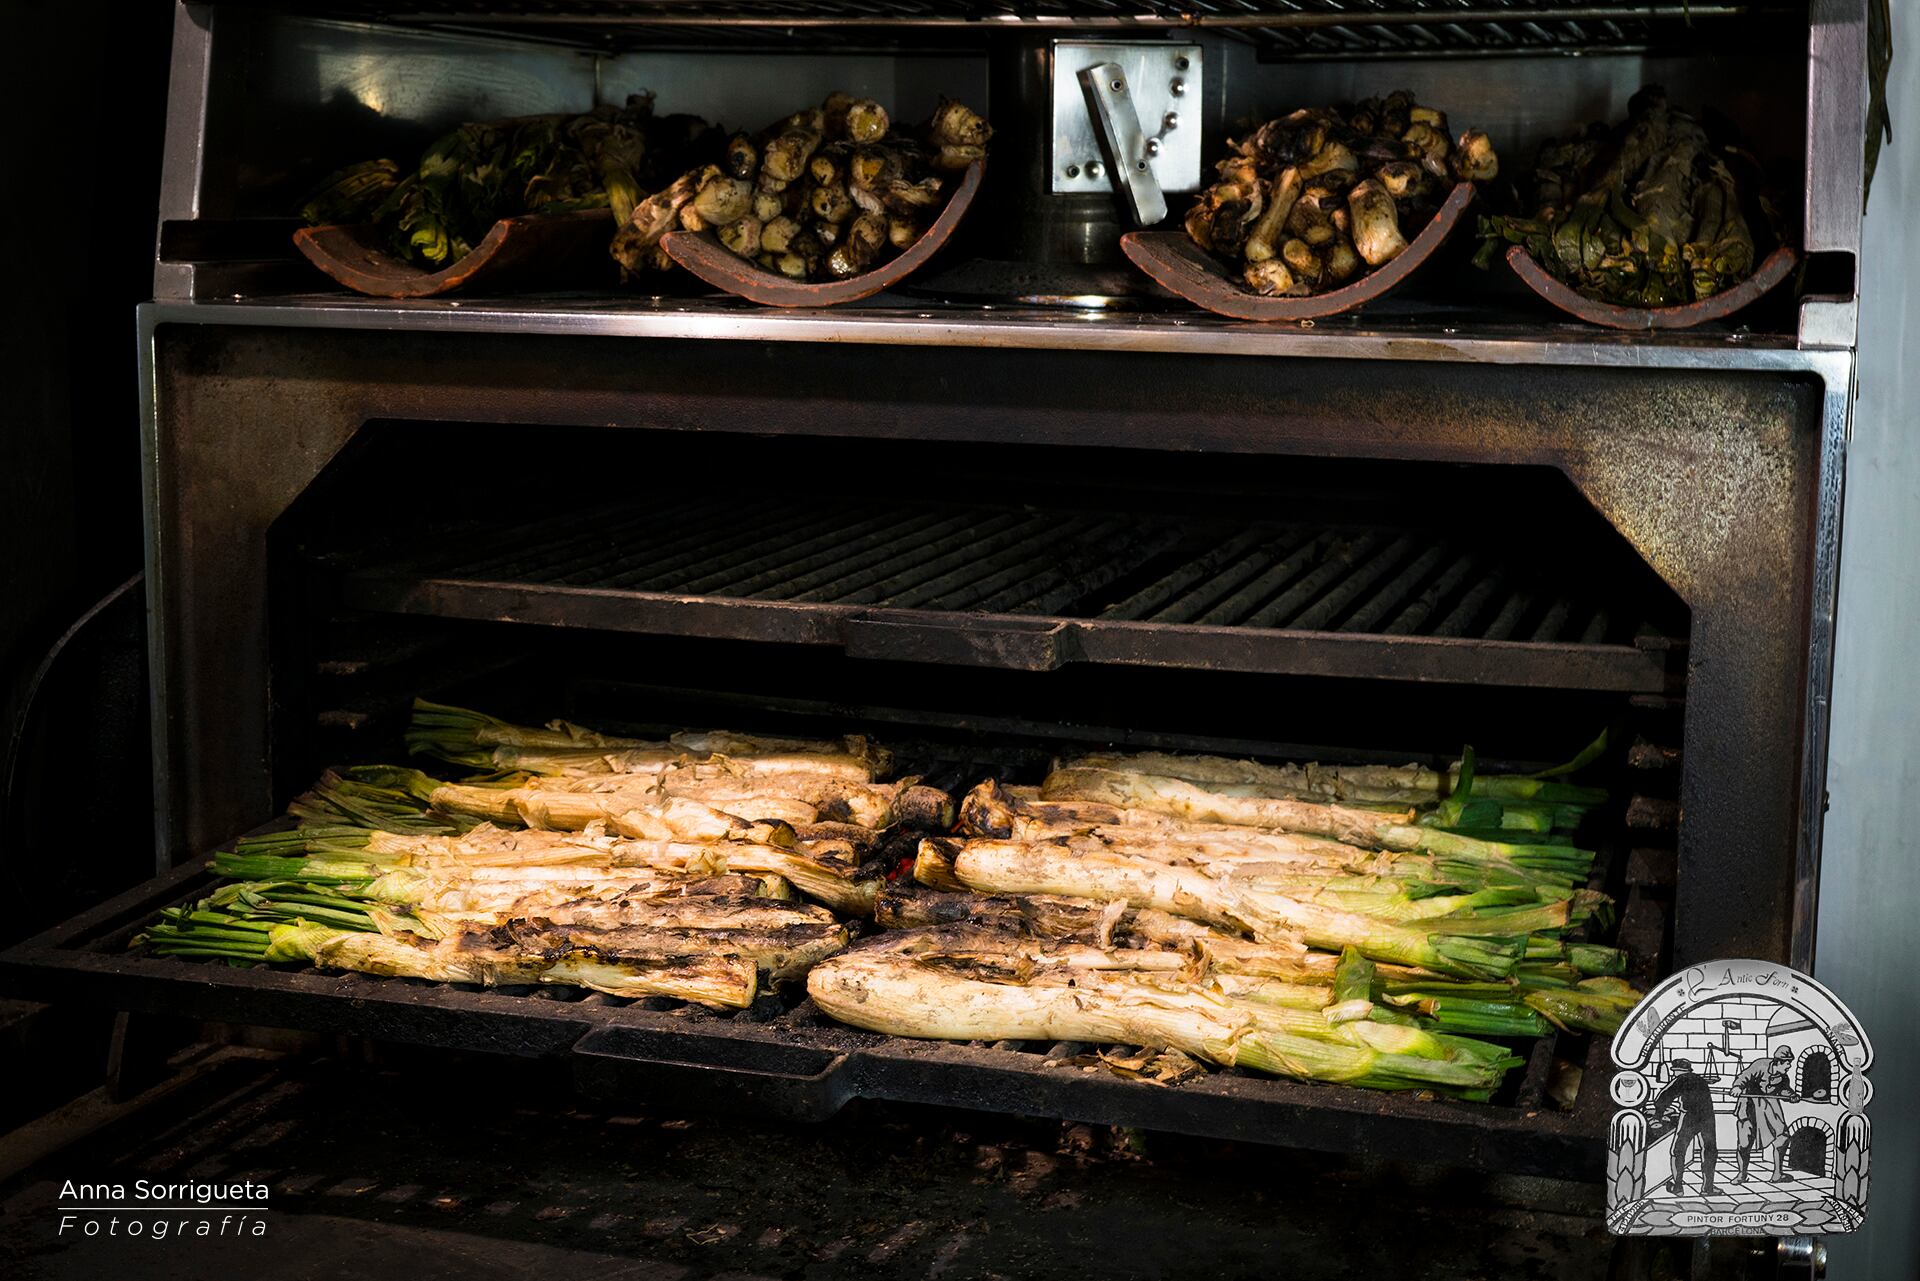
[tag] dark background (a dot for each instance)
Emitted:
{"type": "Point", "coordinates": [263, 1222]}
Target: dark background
{"type": "Point", "coordinates": [85, 91]}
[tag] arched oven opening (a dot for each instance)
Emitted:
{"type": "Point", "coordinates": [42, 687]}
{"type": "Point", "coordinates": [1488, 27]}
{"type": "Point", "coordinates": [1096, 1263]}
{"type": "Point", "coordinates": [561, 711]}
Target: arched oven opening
{"type": "Point", "coordinates": [1816, 1076]}
{"type": "Point", "coordinates": [1807, 1148]}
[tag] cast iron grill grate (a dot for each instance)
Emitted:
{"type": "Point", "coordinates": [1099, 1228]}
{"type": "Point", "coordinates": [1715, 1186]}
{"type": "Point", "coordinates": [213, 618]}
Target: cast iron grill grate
{"type": "Point", "coordinates": [1033, 588]}
{"type": "Point", "coordinates": [1285, 28]}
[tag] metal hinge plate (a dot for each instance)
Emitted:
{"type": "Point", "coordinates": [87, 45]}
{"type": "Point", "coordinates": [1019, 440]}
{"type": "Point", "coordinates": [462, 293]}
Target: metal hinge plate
{"type": "Point", "coordinates": [1164, 83]}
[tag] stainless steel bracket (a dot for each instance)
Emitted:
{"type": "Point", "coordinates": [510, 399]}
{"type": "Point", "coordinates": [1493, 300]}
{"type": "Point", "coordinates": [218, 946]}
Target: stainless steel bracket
{"type": "Point", "coordinates": [1123, 142]}
{"type": "Point", "coordinates": [1141, 138]}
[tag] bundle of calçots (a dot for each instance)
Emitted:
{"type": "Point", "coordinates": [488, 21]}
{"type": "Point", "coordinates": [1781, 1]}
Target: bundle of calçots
{"type": "Point", "coordinates": [1315, 199]}
{"type": "Point", "coordinates": [633, 867]}
{"type": "Point", "coordinates": [825, 193]}
{"type": "Point", "coordinates": [482, 172]}
{"type": "Point", "coordinates": [1363, 925]}
{"type": "Point", "coordinates": [1366, 925]}
{"type": "Point", "coordinates": [1648, 213]}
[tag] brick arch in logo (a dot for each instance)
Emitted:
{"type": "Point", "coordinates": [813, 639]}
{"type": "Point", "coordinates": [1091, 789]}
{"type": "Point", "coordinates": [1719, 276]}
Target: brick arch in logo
{"type": "Point", "coordinates": [1796, 1142]}
{"type": "Point", "coordinates": [1814, 1072]}
{"type": "Point", "coordinates": [1641, 1032]}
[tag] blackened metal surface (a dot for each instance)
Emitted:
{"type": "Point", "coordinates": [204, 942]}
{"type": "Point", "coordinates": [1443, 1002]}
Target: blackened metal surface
{"type": "Point", "coordinates": [497, 1178]}
{"type": "Point", "coordinates": [1034, 588]}
{"type": "Point", "coordinates": [1717, 479]}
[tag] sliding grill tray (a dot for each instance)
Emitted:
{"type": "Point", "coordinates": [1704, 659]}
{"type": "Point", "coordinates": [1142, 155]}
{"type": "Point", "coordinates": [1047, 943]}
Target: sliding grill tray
{"type": "Point", "coordinates": [1290, 28]}
{"type": "Point", "coordinates": [784, 1058]}
{"type": "Point", "coordinates": [1034, 588]}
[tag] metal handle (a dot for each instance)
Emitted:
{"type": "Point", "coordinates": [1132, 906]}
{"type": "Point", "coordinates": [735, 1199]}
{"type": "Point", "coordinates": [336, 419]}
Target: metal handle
{"type": "Point", "coordinates": [720, 1074]}
{"type": "Point", "coordinates": [915, 636]}
{"type": "Point", "coordinates": [1123, 141]}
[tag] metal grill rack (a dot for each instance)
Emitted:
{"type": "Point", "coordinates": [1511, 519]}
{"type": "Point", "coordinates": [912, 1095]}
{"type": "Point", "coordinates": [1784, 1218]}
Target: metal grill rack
{"type": "Point", "coordinates": [1284, 28]}
{"type": "Point", "coordinates": [1034, 588]}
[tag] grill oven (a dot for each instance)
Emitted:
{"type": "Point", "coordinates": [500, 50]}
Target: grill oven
{"type": "Point", "coordinates": [984, 529]}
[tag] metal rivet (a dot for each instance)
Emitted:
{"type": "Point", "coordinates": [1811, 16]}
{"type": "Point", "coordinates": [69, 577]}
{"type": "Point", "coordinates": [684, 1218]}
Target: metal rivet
{"type": "Point", "coordinates": [1119, 86]}
{"type": "Point", "coordinates": [1181, 63]}
{"type": "Point", "coordinates": [1178, 86]}
{"type": "Point", "coordinates": [1173, 120]}
{"type": "Point", "coordinates": [1153, 146]}
{"type": "Point", "coordinates": [1140, 165]}
{"type": "Point", "coordinates": [1095, 169]}
{"type": "Point", "coordinates": [1073, 171]}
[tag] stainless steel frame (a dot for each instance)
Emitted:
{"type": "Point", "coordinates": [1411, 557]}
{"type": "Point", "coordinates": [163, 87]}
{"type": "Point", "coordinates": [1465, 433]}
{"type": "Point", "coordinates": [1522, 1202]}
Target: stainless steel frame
{"type": "Point", "coordinates": [1702, 473]}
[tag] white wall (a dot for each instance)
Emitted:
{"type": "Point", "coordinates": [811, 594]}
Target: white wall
{"type": "Point", "coordinates": [1870, 875]}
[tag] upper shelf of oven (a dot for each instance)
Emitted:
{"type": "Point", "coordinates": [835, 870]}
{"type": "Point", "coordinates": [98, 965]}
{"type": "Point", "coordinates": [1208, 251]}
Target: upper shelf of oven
{"type": "Point", "coordinates": [1316, 29]}
{"type": "Point", "coordinates": [1040, 584]}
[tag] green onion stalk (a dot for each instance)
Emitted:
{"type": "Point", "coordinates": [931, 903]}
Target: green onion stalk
{"type": "Point", "coordinates": [919, 985]}
{"type": "Point", "coordinates": [1016, 867]}
{"type": "Point", "coordinates": [713, 958]}
{"type": "Point", "coordinates": [1362, 785]}
{"type": "Point", "coordinates": [827, 870]}
{"type": "Point", "coordinates": [1366, 829]}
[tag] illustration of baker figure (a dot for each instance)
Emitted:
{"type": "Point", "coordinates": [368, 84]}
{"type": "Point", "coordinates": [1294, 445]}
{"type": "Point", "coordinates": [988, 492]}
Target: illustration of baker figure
{"type": "Point", "coordinates": [1759, 1121]}
{"type": "Point", "coordinates": [1689, 1092]}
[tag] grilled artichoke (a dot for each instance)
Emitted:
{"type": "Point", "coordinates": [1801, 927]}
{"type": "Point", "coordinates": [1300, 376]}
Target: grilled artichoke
{"type": "Point", "coordinates": [1311, 199]}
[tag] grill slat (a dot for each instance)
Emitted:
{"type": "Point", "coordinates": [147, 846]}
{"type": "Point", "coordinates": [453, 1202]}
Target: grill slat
{"type": "Point", "coordinates": [966, 587]}
{"type": "Point", "coordinates": [1422, 606]}
{"type": "Point", "coordinates": [1470, 606]}
{"type": "Point", "coordinates": [909, 568]}
{"type": "Point", "coordinates": [683, 550]}
{"type": "Point", "coordinates": [1150, 598]}
{"type": "Point", "coordinates": [1282, 610]}
{"type": "Point", "coordinates": [1079, 572]}
{"type": "Point", "coordinates": [817, 546]}
{"type": "Point", "coordinates": [1294, 556]}
{"type": "Point", "coordinates": [1390, 597]}
{"type": "Point", "coordinates": [1501, 628]}
{"type": "Point", "coordinates": [1322, 612]}
{"type": "Point", "coordinates": [1225, 591]}
{"type": "Point", "coordinates": [638, 549]}
{"type": "Point", "coordinates": [883, 551]}
{"type": "Point", "coordinates": [543, 545]}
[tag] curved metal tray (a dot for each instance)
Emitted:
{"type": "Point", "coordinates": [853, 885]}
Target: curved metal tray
{"type": "Point", "coordinates": [702, 254]}
{"type": "Point", "coordinates": [1772, 271]}
{"type": "Point", "coordinates": [551, 245]}
{"type": "Point", "coordinates": [1175, 262]}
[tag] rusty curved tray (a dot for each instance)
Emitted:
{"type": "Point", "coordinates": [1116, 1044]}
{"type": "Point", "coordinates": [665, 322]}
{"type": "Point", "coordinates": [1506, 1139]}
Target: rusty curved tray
{"type": "Point", "coordinates": [702, 254]}
{"type": "Point", "coordinates": [546, 246]}
{"type": "Point", "coordinates": [1176, 263]}
{"type": "Point", "coordinates": [1773, 270]}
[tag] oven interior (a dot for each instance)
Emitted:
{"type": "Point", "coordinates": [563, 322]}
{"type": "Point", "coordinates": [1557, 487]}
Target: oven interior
{"type": "Point", "coordinates": [384, 588]}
